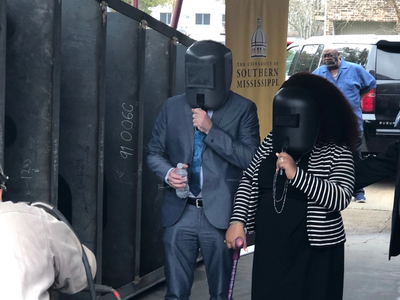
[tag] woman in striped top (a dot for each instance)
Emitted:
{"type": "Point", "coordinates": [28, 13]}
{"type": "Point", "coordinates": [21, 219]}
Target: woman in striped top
{"type": "Point", "coordinates": [299, 241]}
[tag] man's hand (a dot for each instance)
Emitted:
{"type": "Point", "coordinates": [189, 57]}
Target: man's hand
{"type": "Point", "coordinates": [201, 120]}
{"type": "Point", "coordinates": [176, 181]}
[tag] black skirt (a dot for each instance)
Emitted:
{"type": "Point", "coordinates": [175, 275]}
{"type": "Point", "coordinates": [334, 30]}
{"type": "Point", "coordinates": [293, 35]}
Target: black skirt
{"type": "Point", "coordinates": [285, 266]}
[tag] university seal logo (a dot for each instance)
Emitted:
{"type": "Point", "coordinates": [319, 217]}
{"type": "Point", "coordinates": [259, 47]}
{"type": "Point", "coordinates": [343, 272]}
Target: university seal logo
{"type": "Point", "coordinates": [258, 42]}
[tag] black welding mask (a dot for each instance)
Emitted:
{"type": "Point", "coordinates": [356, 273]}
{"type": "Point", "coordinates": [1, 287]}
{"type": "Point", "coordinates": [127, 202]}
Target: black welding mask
{"type": "Point", "coordinates": [295, 120]}
{"type": "Point", "coordinates": [208, 74]}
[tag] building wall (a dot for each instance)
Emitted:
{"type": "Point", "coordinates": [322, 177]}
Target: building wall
{"type": "Point", "coordinates": [342, 17]}
{"type": "Point", "coordinates": [187, 20]}
{"type": "Point", "coordinates": [377, 14]}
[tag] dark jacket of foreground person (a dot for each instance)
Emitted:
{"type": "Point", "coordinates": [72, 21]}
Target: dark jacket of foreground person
{"type": "Point", "coordinates": [376, 168]}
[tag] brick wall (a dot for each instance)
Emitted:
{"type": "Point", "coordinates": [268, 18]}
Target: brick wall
{"type": "Point", "coordinates": [359, 10]}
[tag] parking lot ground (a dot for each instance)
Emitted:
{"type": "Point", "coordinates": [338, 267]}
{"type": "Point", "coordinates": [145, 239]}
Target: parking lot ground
{"type": "Point", "coordinates": [369, 275]}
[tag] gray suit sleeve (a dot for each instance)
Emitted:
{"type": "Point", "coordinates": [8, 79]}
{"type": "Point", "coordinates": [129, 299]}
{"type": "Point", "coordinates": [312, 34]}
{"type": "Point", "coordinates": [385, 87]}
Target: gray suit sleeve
{"type": "Point", "coordinates": [239, 149]}
{"type": "Point", "coordinates": [157, 157]}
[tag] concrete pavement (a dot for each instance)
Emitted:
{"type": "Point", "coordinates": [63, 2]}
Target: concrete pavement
{"type": "Point", "coordinates": [368, 273]}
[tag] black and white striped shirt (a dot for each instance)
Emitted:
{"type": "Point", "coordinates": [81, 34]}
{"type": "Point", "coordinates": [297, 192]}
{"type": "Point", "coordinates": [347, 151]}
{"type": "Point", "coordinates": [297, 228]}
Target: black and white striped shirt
{"type": "Point", "coordinates": [328, 184]}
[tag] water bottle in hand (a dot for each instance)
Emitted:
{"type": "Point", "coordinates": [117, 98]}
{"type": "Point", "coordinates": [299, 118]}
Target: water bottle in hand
{"type": "Point", "coordinates": [184, 192]}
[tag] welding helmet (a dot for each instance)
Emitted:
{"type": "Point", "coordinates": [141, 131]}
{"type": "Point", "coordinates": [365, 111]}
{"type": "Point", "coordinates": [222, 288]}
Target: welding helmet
{"type": "Point", "coordinates": [295, 120]}
{"type": "Point", "coordinates": [208, 74]}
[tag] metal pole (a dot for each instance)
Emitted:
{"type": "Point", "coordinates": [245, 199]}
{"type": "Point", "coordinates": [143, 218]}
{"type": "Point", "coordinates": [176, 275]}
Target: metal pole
{"type": "Point", "coordinates": [176, 14]}
{"type": "Point", "coordinates": [135, 3]}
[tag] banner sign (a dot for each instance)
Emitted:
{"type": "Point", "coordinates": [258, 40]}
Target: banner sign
{"type": "Point", "coordinates": [256, 32]}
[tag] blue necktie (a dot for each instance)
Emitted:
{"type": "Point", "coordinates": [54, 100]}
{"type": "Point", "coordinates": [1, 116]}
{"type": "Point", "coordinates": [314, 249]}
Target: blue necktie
{"type": "Point", "coordinates": [194, 180]}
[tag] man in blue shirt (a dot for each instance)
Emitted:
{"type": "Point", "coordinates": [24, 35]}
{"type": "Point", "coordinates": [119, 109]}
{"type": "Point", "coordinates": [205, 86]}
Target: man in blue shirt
{"type": "Point", "coordinates": [354, 82]}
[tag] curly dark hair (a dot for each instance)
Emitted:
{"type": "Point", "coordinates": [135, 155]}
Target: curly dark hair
{"type": "Point", "coordinates": [337, 120]}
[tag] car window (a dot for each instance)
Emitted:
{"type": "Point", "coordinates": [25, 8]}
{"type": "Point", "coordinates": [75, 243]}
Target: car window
{"type": "Point", "coordinates": [315, 63]}
{"type": "Point", "coordinates": [308, 57]}
{"type": "Point", "coordinates": [386, 63]}
{"type": "Point", "coordinates": [357, 54]}
{"type": "Point", "coordinates": [291, 56]}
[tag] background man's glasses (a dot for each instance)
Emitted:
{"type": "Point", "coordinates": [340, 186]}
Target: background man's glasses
{"type": "Point", "coordinates": [328, 55]}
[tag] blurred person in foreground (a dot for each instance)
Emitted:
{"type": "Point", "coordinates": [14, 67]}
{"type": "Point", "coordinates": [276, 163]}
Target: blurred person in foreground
{"type": "Point", "coordinates": [299, 241]}
{"type": "Point", "coordinates": [38, 253]}
{"type": "Point", "coordinates": [382, 166]}
{"type": "Point", "coordinates": [354, 82]}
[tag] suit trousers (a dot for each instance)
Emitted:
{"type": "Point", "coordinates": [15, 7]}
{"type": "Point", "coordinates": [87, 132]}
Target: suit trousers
{"type": "Point", "coordinates": [182, 242]}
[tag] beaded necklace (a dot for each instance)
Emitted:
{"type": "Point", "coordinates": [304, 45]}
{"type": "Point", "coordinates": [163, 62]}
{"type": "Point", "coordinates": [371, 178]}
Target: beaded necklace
{"type": "Point", "coordinates": [285, 187]}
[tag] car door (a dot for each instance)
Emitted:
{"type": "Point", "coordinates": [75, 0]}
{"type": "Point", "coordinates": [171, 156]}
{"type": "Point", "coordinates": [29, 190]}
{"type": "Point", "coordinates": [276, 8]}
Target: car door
{"type": "Point", "coordinates": [388, 83]}
{"type": "Point", "coordinates": [300, 58]}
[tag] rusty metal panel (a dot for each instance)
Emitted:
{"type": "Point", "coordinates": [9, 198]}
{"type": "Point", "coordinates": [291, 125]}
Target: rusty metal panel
{"type": "Point", "coordinates": [154, 90]}
{"type": "Point", "coordinates": [82, 120]}
{"type": "Point", "coordinates": [32, 99]}
{"type": "Point", "coordinates": [178, 85]}
{"type": "Point", "coordinates": [143, 69]}
{"type": "Point", "coordinates": [121, 212]}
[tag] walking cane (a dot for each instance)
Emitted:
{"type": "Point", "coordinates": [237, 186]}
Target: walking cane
{"type": "Point", "coordinates": [236, 255]}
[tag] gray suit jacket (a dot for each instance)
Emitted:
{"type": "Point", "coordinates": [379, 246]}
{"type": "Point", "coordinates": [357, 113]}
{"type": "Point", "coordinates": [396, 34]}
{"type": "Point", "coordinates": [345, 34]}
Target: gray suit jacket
{"type": "Point", "coordinates": [229, 148]}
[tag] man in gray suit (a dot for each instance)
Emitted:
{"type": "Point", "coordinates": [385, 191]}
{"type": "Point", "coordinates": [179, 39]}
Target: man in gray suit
{"type": "Point", "coordinates": [229, 125]}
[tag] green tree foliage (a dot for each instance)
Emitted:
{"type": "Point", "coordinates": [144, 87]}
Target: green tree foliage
{"type": "Point", "coordinates": [146, 5]}
{"type": "Point", "coordinates": [355, 55]}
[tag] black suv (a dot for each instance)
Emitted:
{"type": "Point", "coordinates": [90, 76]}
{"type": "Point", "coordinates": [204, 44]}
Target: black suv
{"type": "Point", "coordinates": [380, 56]}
